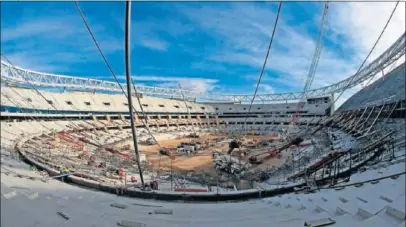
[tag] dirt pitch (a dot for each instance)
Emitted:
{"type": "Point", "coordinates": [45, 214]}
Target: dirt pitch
{"type": "Point", "coordinates": [202, 162]}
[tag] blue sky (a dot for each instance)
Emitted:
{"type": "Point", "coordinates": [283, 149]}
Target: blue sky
{"type": "Point", "coordinates": [210, 46]}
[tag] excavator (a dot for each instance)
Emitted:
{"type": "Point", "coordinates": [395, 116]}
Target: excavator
{"type": "Point", "coordinates": [233, 145]}
{"type": "Point", "coordinates": [166, 152]}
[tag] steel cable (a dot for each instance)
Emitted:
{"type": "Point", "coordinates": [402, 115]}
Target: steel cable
{"type": "Point", "coordinates": [264, 65]}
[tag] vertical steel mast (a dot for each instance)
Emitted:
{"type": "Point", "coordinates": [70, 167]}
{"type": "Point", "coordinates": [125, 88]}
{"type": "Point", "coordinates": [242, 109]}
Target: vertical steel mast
{"type": "Point", "coordinates": [128, 78]}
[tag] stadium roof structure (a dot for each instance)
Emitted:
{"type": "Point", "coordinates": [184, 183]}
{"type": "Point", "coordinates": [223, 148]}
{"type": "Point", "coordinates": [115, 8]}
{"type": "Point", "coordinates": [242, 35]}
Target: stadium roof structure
{"type": "Point", "coordinates": [16, 75]}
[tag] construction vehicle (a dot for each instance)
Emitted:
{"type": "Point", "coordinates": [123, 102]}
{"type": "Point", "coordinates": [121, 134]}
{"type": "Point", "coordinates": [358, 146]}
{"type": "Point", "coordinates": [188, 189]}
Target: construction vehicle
{"type": "Point", "coordinates": [150, 141]}
{"type": "Point", "coordinates": [271, 153]}
{"type": "Point", "coordinates": [275, 152]}
{"type": "Point", "coordinates": [229, 164]}
{"type": "Point", "coordinates": [233, 145]}
{"type": "Point", "coordinates": [253, 133]}
{"type": "Point", "coordinates": [250, 144]}
{"type": "Point", "coordinates": [166, 152]}
{"type": "Point", "coordinates": [193, 135]}
{"type": "Point", "coordinates": [121, 173]}
{"type": "Point", "coordinates": [190, 147]}
{"type": "Point", "coordinates": [126, 147]}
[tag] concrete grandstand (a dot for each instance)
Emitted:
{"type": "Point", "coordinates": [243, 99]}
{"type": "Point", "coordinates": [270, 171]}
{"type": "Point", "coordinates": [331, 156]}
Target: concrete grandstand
{"type": "Point", "coordinates": [67, 153]}
{"type": "Point", "coordinates": [374, 133]}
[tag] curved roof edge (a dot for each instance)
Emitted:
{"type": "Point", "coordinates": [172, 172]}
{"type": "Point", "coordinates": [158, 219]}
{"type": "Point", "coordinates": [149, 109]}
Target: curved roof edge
{"type": "Point", "coordinates": [14, 74]}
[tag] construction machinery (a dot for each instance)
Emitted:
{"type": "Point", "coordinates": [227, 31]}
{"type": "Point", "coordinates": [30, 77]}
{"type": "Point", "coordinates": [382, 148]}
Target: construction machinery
{"type": "Point", "coordinates": [229, 164]}
{"type": "Point", "coordinates": [193, 135]}
{"type": "Point", "coordinates": [252, 133]}
{"type": "Point", "coordinates": [150, 141]}
{"type": "Point", "coordinates": [275, 152]}
{"type": "Point", "coordinates": [233, 145]}
{"type": "Point", "coordinates": [166, 152]}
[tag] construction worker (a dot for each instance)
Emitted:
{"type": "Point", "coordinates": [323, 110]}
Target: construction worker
{"type": "Point", "coordinates": [62, 171]}
{"type": "Point", "coordinates": [153, 185]}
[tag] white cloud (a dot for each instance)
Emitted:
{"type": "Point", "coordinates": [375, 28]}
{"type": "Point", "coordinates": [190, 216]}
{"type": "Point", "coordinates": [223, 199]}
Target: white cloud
{"type": "Point", "coordinates": [187, 83]}
{"type": "Point", "coordinates": [246, 43]}
{"type": "Point", "coordinates": [360, 23]}
{"type": "Point", "coordinates": [245, 30]}
{"type": "Point", "coordinates": [242, 32]}
{"type": "Point", "coordinates": [39, 27]}
{"type": "Point", "coordinates": [53, 42]}
{"type": "Point", "coordinates": [266, 88]}
{"type": "Point", "coordinates": [155, 44]}
{"type": "Point", "coordinates": [31, 62]}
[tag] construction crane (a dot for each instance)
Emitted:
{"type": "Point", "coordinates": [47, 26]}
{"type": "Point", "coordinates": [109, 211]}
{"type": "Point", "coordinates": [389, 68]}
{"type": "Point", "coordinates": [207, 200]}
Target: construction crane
{"type": "Point", "coordinates": [312, 70]}
{"type": "Point", "coordinates": [275, 152]}
{"type": "Point", "coordinates": [194, 134]}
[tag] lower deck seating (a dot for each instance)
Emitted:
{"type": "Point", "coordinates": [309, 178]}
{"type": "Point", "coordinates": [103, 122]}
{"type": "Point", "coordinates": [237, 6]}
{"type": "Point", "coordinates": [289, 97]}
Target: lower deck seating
{"type": "Point", "coordinates": [66, 205]}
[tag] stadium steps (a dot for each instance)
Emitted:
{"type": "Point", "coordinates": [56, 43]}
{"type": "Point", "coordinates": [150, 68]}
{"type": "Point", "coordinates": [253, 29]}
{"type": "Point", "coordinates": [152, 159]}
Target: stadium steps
{"type": "Point", "coordinates": [27, 202]}
{"type": "Point", "coordinates": [397, 208]}
{"type": "Point", "coordinates": [86, 211]}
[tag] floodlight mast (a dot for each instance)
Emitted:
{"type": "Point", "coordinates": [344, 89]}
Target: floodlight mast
{"type": "Point", "coordinates": [128, 81]}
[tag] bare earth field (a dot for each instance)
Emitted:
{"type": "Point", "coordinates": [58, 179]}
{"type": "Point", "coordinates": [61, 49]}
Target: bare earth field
{"type": "Point", "coordinates": [202, 162]}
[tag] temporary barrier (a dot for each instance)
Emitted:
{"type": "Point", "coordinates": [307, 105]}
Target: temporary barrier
{"type": "Point", "coordinates": [191, 190]}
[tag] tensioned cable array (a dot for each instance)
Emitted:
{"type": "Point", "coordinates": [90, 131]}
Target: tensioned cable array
{"type": "Point", "coordinates": [187, 108]}
{"type": "Point", "coordinates": [313, 68]}
{"type": "Point", "coordinates": [37, 91]}
{"type": "Point", "coordinates": [369, 53]}
{"type": "Point", "coordinates": [50, 103]}
{"type": "Point", "coordinates": [114, 75]}
{"type": "Point", "coordinates": [143, 119]}
{"type": "Point", "coordinates": [372, 49]}
{"type": "Point", "coordinates": [264, 65]}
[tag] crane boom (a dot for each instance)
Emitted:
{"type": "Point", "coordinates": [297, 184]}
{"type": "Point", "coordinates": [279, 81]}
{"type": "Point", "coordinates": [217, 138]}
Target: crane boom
{"type": "Point", "coordinates": [313, 66]}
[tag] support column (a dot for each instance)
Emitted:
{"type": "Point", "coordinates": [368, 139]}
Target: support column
{"type": "Point", "coordinates": [362, 115]}
{"type": "Point", "coordinates": [376, 118]}
{"type": "Point", "coordinates": [362, 125]}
